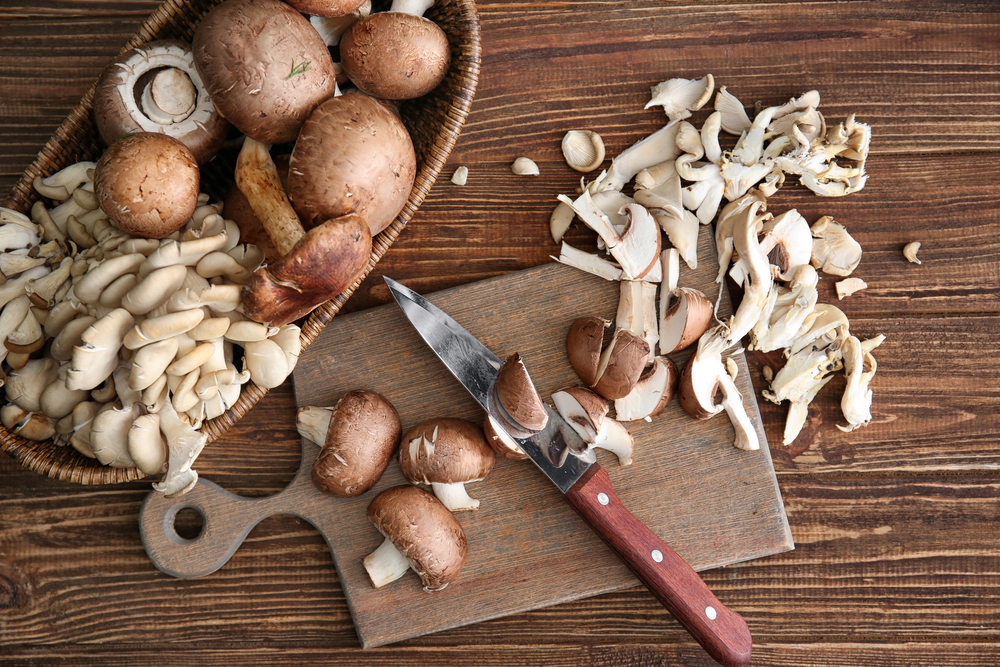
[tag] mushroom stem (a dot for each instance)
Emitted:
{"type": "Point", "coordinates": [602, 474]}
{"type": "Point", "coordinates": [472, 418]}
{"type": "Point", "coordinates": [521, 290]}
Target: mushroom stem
{"type": "Point", "coordinates": [454, 496]}
{"type": "Point", "coordinates": [257, 178]}
{"type": "Point", "coordinates": [386, 564]}
{"type": "Point", "coordinates": [313, 422]}
{"type": "Point", "coordinates": [415, 7]}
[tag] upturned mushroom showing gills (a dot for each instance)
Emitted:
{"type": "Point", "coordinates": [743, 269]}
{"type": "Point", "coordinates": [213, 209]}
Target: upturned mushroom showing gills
{"type": "Point", "coordinates": [154, 87]}
{"type": "Point", "coordinates": [420, 534]}
{"type": "Point", "coordinates": [396, 55]}
{"type": "Point", "coordinates": [147, 184]}
{"type": "Point", "coordinates": [361, 437]}
{"type": "Point", "coordinates": [314, 266]}
{"type": "Point", "coordinates": [352, 156]}
{"type": "Point", "coordinates": [446, 454]}
{"type": "Point", "coordinates": [265, 67]}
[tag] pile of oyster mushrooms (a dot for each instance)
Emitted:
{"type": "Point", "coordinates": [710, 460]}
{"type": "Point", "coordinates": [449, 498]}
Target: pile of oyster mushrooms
{"type": "Point", "coordinates": [682, 178]}
{"type": "Point", "coordinates": [121, 346]}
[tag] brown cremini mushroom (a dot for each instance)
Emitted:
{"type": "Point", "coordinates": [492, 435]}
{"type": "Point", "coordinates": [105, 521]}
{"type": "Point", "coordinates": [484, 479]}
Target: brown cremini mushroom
{"type": "Point", "coordinates": [420, 534]}
{"type": "Point", "coordinates": [518, 396]}
{"type": "Point", "coordinates": [446, 454]}
{"type": "Point", "coordinates": [326, 7]}
{"type": "Point", "coordinates": [265, 67]}
{"type": "Point", "coordinates": [252, 230]}
{"type": "Point", "coordinates": [361, 438]}
{"type": "Point", "coordinates": [501, 443]}
{"type": "Point", "coordinates": [147, 184]}
{"type": "Point", "coordinates": [352, 156]}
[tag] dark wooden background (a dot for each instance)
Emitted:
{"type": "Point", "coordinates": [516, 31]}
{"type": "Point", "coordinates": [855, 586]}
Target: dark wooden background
{"type": "Point", "coordinates": [897, 526]}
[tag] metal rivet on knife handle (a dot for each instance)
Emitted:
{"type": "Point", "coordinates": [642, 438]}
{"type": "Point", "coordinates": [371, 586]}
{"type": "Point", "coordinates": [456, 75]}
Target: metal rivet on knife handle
{"type": "Point", "coordinates": [711, 613]}
{"type": "Point", "coordinates": [657, 556]}
{"type": "Point", "coordinates": [603, 498]}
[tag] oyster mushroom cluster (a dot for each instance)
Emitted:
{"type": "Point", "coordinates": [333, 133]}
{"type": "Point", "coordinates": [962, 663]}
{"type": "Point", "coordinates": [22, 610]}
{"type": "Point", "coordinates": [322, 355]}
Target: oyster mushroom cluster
{"type": "Point", "coordinates": [122, 346]}
{"type": "Point", "coordinates": [684, 178]}
{"type": "Point", "coordinates": [359, 437]}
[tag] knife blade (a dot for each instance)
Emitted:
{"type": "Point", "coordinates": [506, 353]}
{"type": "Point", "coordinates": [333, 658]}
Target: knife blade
{"type": "Point", "coordinates": [587, 488]}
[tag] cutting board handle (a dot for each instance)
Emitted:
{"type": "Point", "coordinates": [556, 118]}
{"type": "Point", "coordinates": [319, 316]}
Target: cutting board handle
{"type": "Point", "coordinates": [722, 632]}
{"type": "Point", "coordinates": [226, 520]}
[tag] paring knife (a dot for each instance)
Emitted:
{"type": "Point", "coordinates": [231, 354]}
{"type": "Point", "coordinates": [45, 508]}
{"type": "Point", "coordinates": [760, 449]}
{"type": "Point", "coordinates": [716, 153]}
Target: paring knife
{"type": "Point", "coordinates": [587, 488]}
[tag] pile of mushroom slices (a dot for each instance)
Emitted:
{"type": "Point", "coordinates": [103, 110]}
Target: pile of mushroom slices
{"type": "Point", "coordinates": [119, 346]}
{"type": "Point", "coordinates": [359, 436]}
{"type": "Point", "coordinates": [682, 177]}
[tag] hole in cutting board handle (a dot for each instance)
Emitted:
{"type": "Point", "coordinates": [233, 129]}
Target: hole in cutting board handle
{"type": "Point", "coordinates": [184, 524]}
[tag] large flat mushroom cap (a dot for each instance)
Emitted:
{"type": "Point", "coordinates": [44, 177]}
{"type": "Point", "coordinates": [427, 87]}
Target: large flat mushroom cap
{"type": "Point", "coordinates": [265, 67]}
{"type": "Point", "coordinates": [352, 156]}
{"type": "Point", "coordinates": [445, 451]}
{"type": "Point", "coordinates": [424, 530]}
{"type": "Point", "coordinates": [363, 434]}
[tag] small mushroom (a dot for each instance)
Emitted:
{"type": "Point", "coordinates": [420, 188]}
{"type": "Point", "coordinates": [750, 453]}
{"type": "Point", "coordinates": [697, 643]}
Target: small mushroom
{"type": "Point", "coordinates": [523, 166]}
{"type": "Point", "coordinates": [362, 435]}
{"type": "Point", "coordinates": [583, 150]}
{"type": "Point", "coordinates": [910, 252]}
{"type": "Point", "coordinates": [518, 396]}
{"type": "Point", "coordinates": [185, 444]}
{"type": "Point", "coordinates": [420, 533]}
{"type": "Point", "coordinates": [155, 329]}
{"type": "Point", "coordinates": [446, 454]}
{"type": "Point", "coordinates": [266, 362]}
{"type": "Point", "coordinates": [650, 395]}
{"type": "Point", "coordinates": [586, 413]}
{"type": "Point", "coordinates": [461, 175]}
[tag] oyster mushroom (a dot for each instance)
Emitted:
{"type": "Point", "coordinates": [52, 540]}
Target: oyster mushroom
{"type": "Point", "coordinates": [679, 97]}
{"type": "Point", "coordinates": [185, 444]}
{"type": "Point", "coordinates": [583, 150]}
{"type": "Point", "coordinates": [447, 454]}
{"type": "Point", "coordinates": [834, 250]}
{"type": "Point", "coordinates": [734, 119]}
{"type": "Point", "coordinates": [361, 436]}
{"type": "Point", "coordinates": [705, 375]}
{"type": "Point", "coordinates": [109, 436]}
{"type": "Point", "coordinates": [146, 446]}
{"type": "Point", "coordinates": [523, 166]}
{"type": "Point", "coordinates": [155, 87]}
{"type": "Point", "coordinates": [653, 150]}
{"type": "Point", "coordinates": [786, 313]}
{"type": "Point", "coordinates": [860, 367]}
{"type": "Point", "coordinates": [757, 287]}
{"type": "Point", "coordinates": [586, 413]}
{"type": "Point", "coordinates": [849, 286]}
{"type": "Point", "coordinates": [910, 252]}
{"type": "Point", "coordinates": [420, 534]}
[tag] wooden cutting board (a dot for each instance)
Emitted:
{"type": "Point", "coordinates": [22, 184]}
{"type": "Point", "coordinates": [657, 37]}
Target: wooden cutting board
{"type": "Point", "coordinates": [714, 504]}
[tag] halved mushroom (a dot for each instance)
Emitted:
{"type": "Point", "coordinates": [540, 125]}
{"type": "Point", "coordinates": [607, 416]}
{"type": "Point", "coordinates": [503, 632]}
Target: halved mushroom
{"type": "Point", "coordinates": [155, 87]}
{"type": "Point", "coordinates": [518, 396]}
{"type": "Point", "coordinates": [705, 375]}
{"type": "Point", "coordinates": [420, 534]}
{"type": "Point", "coordinates": [586, 413]}
{"type": "Point", "coordinates": [583, 346]}
{"type": "Point", "coordinates": [621, 365]}
{"type": "Point", "coordinates": [686, 319]}
{"type": "Point", "coordinates": [650, 395]}
{"type": "Point", "coordinates": [446, 454]}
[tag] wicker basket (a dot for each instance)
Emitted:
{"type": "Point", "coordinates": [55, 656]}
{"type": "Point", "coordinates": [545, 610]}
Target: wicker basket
{"type": "Point", "coordinates": [434, 122]}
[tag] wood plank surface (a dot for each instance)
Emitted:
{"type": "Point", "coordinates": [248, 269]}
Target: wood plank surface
{"type": "Point", "coordinates": [896, 525]}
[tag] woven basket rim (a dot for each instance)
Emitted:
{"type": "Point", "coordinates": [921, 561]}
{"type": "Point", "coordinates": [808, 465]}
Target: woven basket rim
{"type": "Point", "coordinates": [40, 456]}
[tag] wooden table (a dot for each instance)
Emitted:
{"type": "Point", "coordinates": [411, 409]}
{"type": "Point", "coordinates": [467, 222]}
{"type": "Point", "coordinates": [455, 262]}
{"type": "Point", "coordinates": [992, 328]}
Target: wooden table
{"type": "Point", "coordinates": [897, 525]}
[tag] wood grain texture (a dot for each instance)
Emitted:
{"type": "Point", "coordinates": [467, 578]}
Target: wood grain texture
{"type": "Point", "coordinates": [712, 503]}
{"type": "Point", "coordinates": [895, 524]}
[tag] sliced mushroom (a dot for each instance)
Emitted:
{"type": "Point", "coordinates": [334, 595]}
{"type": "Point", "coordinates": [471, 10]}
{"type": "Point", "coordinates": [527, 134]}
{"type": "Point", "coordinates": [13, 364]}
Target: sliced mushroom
{"type": "Point", "coordinates": [834, 250]}
{"type": "Point", "coordinates": [637, 312]}
{"type": "Point", "coordinates": [621, 365]}
{"type": "Point", "coordinates": [849, 286]}
{"type": "Point", "coordinates": [685, 320]}
{"type": "Point", "coordinates": [910, 252]}
{"type": "Point", "coordinates": [500, 441]}
{"type": "Point", "coordinates": [586, 413]}
{"type": "Point", "coordinates": [518, 396]}
{"type": "Point", "coordinates": [650, 395]}
{"type": "Point", "coordinates": [583, 347]}
{"type": "Point", "coordinates": [860, 366]}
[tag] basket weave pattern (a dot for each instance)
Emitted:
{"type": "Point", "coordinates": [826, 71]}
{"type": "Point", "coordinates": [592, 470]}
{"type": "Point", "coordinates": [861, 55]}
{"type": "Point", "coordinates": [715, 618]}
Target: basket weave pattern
{"type": "Point", "coordinates": [434, 122]}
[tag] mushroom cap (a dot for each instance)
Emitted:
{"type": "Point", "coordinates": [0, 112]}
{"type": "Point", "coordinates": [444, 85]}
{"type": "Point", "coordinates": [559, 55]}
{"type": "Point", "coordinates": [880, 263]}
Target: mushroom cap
{"type": "Point", "coordinates": [395, 56]}
{"type": "Point", "coordinates": [626, 361]}
{"type": "Point", "coordinates": [118, 105]}
{"type": "Point", "coordinates": [352, 156]}
{"type": "Point", "coordinates": [518, 396]}
{"type": "Point", "coordinates": [147, 184]}
{"type": "Point", "coordinates": [424, 530]}
{"type": "Point", "coordinates": [445, 451]}
{"type": "Point", "coordinates": [363, 434]}
{"type": "Point", "coordinates": [327, 8]}
{"type": "Point", "coordinates": [321, 265]}
{"type": "Point", "coordinates": [238, 210]}
{"type": "Point", "coordinates": [583, 346]}
{"type": "Point", "coordinates": [265, 67]}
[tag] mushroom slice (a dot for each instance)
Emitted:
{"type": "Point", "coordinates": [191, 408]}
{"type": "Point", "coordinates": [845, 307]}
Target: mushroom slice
{"type": "Point", "coordinates": [682, 230]}
{"type": "Point", "coordinates": [639, 249]}
{"type": "Point", "coordinates": [502, 443]}
{"type": "Point", "coordinates": [679, 97]}
{"type": "Point", "coordinates": [733, 118]}
{"type": "Point", "coordinates": [518, 396]}
{"type": "Point", "coordinates": [312, 422]}
{"type": "Point", "coordinates": [704, 375]}
{"type": "Point", "coordinates": [787, 312]}
{"type": "Point", "coordinates": [586, 413]}
{"type": "Point", "coordinates": [560, 220]}
{"type": "Point", "coordinates": [654, 149]}
{"type": "Point", "coordinates": [637, 312]}
{"type": "Point", "coordinates": [651, 393]}
{"type": "Point", "coordinates": [834, 250]}
{"type": "Point", "coordinates": [185, 444]}
{"type": "Point", "coordinates": [910, 252]}
{"type": "Point", "coordinates": [593, 217]}
{"type": "Point", "coordinates": [447, 454]}
{"type": "Point", "coordinates": [849, 286]}
{"type": "Point", "coordinates": [590, 263]}
{"type": "Point", "coordinates": [621, 364]}
{"type": "Point", "coordinates": [685, 320]}
{"type": "Point", "coordinates": [420, 534]}
{"type": "Point", "coordinates": [583, 346]}
{"type": "Point", "coordinates": [361, 437]}
{"type": "Point", "coordinates": [665, 196]}
{"type": "Point", "coordinates": [524, 166]}
{"type": "Point", "coordinates": [860, 366]}
{"type": "Point", "coordinates": [757, 287]}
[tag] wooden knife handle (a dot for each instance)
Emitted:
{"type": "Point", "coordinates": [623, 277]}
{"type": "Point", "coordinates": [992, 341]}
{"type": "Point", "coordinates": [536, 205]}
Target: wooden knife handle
{"type": "Point", "coordinates": [722, 632]}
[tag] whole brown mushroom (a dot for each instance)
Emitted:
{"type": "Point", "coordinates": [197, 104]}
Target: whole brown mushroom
{"type": "Point", "coordinates": [352, 156]}
{"type": "Point", "coordinates": [265, 67]}
{"type": "Point", "coordinates": [420, 533]}
{"type": "Point", "coordinates": [446, 454]}
{"type": "Point", "coordinates": [147, 184]}
{"type": "Point", "coordinates": [396, 55]}
{"type": "Point", "coordinates": [361, 438]}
